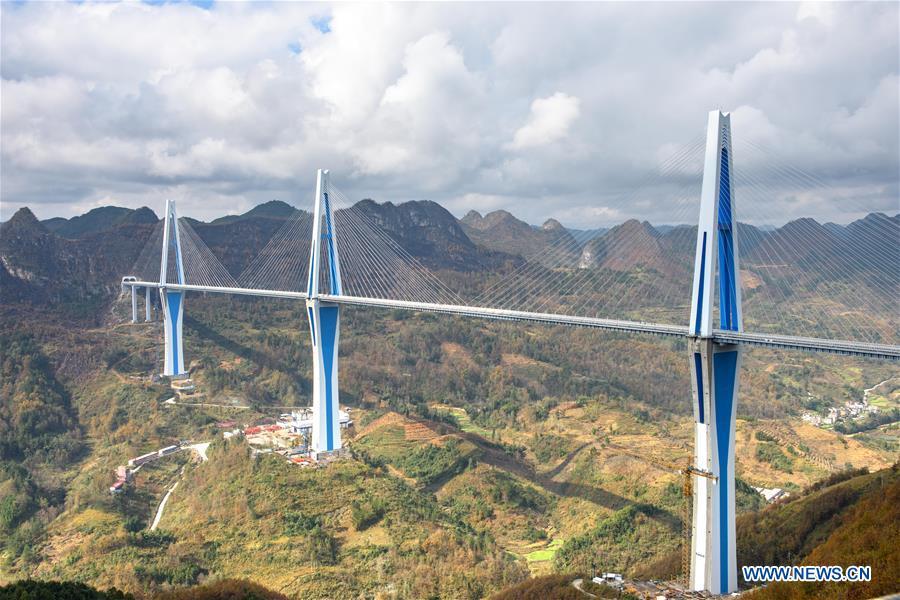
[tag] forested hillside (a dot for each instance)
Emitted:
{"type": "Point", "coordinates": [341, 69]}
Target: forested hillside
{"type": "Point", "coordinates": [39, 435]}
{"type": "Point", "coordinates": [38, 423]}
{"type": "Point", "coordinates": [851, 522]}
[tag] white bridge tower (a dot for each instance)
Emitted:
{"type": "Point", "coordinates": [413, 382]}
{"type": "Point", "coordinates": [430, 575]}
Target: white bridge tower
{"type": "Point", "coordinates": [324, 322]}
{"type": "Point", "coordinates": [715, 368]}
{"type": "Point", "coordinates": [172, 300]}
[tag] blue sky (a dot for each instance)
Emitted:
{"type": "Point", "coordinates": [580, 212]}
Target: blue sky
{"type": "Point", "coordinates": [545, 110]}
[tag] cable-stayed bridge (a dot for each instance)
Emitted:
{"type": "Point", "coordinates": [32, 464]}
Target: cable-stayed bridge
{"type": "Point", "coordinates": [340, 253]}
{"type": "Point", "coordinates": [724, 336]}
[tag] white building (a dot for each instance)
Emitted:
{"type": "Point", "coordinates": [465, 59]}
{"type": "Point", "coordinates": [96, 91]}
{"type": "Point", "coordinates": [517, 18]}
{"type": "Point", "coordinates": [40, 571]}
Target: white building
{"type": "Point", "coordinates": [811, 418]}
{"type": "Point", "coordinates": [300, 421]}
{"type": "Point", "coordinates": [613, 579]}
{"type": "Point", "coordinates": [772, 494]}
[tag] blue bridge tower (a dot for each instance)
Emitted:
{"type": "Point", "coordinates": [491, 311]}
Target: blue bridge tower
{"type": "Point", "coordinates": [172, 300]}
{"type": "Point", "coordinates": [714, 368]}
{"type": "Point", "coordinates": [324, 322]}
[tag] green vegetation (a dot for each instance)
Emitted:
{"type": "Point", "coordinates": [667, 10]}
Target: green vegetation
{"type": "Point", "coordinates": [183, 574]}
{"type": "Point", "coordinates": [549, 447]}
{"type": "Point", "coordinates": [879, 401]}
{"type": "Point", "coordinates": [621, 541]}
{"type": "Point", "coordinates": [853, 522]}
{"type": "Point", "coordinates": [431, 462]}
{"type": "Point", "coordinates": [835, 478]}
{"type": "Point", "coordinates": [37, 420]}
{"type": "Point", "coordinates": [462, 420]}
{"type": "Point", "coordinates": [772, 454]}
{"type": "Point", "coordinates": [762, 436]}
{"type": "Point", "coordinates": [366, 513]}
{"type": "Point", "coordinates": [548, 553]}
{"type": "Point", "coordinates": [506, 489]}
{"type": "Point", "coordinates": [785, 534]}
{"type": "Point", "coordinates": [39, 433]}
{"type": "Point", "coordinates": [226, 589]}
{"type": "Point", "coordinates": [284, 515]}
{"type": "Point", "coordinates": [321, 547]}
{"type": "Point", "coordinates": [296, 523]}
{"type": "Point", "coordinates": [880, 441]}
{"type": "Point", "coordinates": [872, 421]}
{"type": "Point", "coordinates": [746, 498]}
{"type": "Point", "coordinates": [30, 589]}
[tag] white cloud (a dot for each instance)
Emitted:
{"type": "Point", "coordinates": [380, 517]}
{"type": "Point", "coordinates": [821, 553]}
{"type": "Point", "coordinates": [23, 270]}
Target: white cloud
{"type": "Point", "coordinates": [549, 121]}
{"type": "Point", "coordinates": [821, 11]}
{"type": "Point", "coordinates": [430, 104]}
{"type": "Point", "coordinates": [130, 103]}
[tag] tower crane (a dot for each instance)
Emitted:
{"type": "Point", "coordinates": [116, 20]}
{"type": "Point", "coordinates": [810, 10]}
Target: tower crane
{"type": "Point", "coordinates": [687, 472]}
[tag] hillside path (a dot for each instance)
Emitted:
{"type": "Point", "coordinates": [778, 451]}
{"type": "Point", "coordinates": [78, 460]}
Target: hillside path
{"type": "Point", "coordinates": [868, 391]}
{"type": "Point", "coordinates": [162, 507]}
{"type": "Point", "coordinates": [577, 585]}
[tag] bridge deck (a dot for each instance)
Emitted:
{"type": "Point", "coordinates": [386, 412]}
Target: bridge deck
{"type": "Point", "coordinates": [787, 342]}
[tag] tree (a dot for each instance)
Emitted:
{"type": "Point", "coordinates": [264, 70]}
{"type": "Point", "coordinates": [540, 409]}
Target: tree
{"type": "Point", "coordinates": [321, 547]}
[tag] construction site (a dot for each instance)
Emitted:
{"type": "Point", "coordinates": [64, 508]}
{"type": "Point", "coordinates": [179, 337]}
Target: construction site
{"type": "Point", "coordinates": [288, 435]}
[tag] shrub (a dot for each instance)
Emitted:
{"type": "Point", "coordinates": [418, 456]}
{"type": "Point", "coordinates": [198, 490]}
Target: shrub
{"type": "Point", "coordinates": [227, 589]}
{"type": "Point", "coordinates": [835, 478]}
{"type": "Point", "coordinates": [152, 539]}
{"type": "Point", "coordinates": [772, 454]}
{"type": "Point", "coordinates": [367, 513]}
{"type": "Point", "coordinates": [296, 523]}
{"type": "Point", "coordinates": [534, 535]}
{"type": "Point", "coordinates": [548, 447]}
{"type": "Point", "coordinates": [184, 574]}
{"type": "Point", "coordinates": [431, 462]}
{"type": "Point", "coordinates": [762, 436]}
{"type": "Point", "coordinates": [321, 547]}
{"type": "Point", "coordinates": [113, 356]}
{"type": "Point", "coordinates": [30, 589]}
{"type": "Point", "coordinates": [506, 489]}
{"type": "Point", "coordinates": [133, 524]}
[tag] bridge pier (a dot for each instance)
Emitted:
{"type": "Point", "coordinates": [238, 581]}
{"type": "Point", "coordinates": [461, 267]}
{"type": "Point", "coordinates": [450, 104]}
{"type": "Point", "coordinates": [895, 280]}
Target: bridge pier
{"type": "Point", "coordinates": [324, 328]}
{"type": "Point", "coordinates": [133, 305]}
{"type": "Point", "coordinates": [147, 306]}
{"type": "Point", "coordinates": [714, 379]}
{"type": "Point", "coordinates": [173, 313]}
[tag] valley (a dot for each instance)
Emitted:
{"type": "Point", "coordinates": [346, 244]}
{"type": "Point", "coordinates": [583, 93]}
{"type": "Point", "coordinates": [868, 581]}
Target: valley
{"type": "Point", "coordinates": [482, 453]}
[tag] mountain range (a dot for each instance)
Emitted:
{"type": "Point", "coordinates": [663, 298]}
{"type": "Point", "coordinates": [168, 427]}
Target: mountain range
{"type": "Point", "coordinates": [77, 262]}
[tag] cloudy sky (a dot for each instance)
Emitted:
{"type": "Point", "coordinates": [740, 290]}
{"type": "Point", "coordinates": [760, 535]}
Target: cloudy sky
{"type": "Point", "coordinates": [547, 110]}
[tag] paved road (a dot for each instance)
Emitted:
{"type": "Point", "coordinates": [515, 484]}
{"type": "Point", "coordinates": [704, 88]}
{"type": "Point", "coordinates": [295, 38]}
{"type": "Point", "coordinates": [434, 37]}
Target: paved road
{"type": "Point", "coordinates": [171, 401]}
